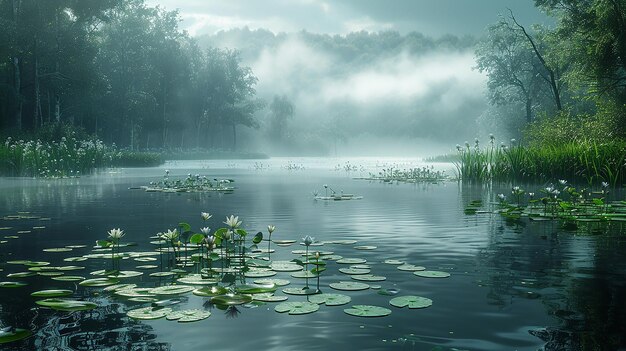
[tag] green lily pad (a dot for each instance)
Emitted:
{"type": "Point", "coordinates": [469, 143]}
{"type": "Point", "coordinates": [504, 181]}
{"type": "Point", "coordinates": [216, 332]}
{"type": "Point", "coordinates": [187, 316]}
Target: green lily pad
{"type": "Point", "coordinates": [99, 282]}
{"type": "Point", "coordinates": [210, 291]}
{"type": "Point", "coordinates": [367, 311]}
{"type": "Point", "coordinates": [230, 299]}
{"type": "Point", "coordinates": [13, 334]}
{"type": "Point", "coordinates": [411, 268]}
{"type": "Point", "coordinates": [285, 267]}
{"type": "Point", "coordinates": [277, 282]}
{"type": "Point", "coordinates": [134, 292]}
{"type": "Point", "coordinates": [67, 305]}
{"type": "Point", "coordinates": [52, 293]}
{"type": "Point", "coordinates": [369, 278]}
{"type": "Point", "coordinates": [143, 299]}
{"type": "Point", "coordinates": [366, 247]}
{"type": "Point", "coordinates": [299, 291]}
{"type": "Point", "coordinates": [330, 299]}
{"type": "Point", "coordinates": [145, 259]}
{"type": "Point", "coordinates": [186, 316]}
{"type": "Point", "coordinates": [393, 262]}
{"type": "Point", "coordinates": [75, 259]}
{"type": "Point", "coordinates": [351, 261]}
{"type": "Point", "coordinates": [75, 246]}
{"type": "Point", "coordinates": [69, 268]}
{"type": "Point", "coordinates": [343, 242]}
{"type": "Point", "coordinates": [148, 313]}
{"type": "Point", "coordinates": [284, 242]}
{"type": "Point", "coordinates": [269, 297]}
{"type": "Point", "coordinates": [295, 308]}
{"type": "Point", "coordinates": [303, 274]}
{"type": "Point", "coordinates": [256, 288]}
{"type": "Point", "coordinates": [411, 301]}
{"type": "Point", "coordinates": [58, 249]}
{"type": "Point", "coordinates": [21, 274]}
{"type": "Point", "coordinates": [120, 287]}
{"type": "Point", "coordinates": [50, 274]}
{"type": "Point", "coordinates": [331, 257]}
{"type": "Point", "coordinates": [163, 274]}
{"type": "Point", "coordinates": [259, 274]}
{"type": "Point", "coordinates": [147, 266]}
{"type": "Point", "coordinates": [349, 286]}
{"type": "Point", "coordinates": [197, 279]}
{"type": "Point", "coordinates": [354, 271]}
{"type": "Point", "coordinates": [171, 290]}
{"type": "Point", "coordinates": [432, 274]}
{"type": "Point", "coordinates": [36, 263]}
{"type": "Point", "coordinates": [69, 278]}
{"type": "Point", "coordinates": [119, 275]}
{"type": "Point", "coordinates": [12, 284]}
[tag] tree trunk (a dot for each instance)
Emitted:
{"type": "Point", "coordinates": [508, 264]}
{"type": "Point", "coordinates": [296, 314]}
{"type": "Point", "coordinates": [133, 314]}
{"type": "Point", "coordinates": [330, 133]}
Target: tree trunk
{"type": "Point", "coordinates": [18, 95]}
{"type": "Point", "coordinates": [57, 108]}
{"type": "Point", "coordinates": [37, 122]}
{"type": "Point", "coordinates": [529, 116]}
{"type": "Point", "coordinates": [234, 137]}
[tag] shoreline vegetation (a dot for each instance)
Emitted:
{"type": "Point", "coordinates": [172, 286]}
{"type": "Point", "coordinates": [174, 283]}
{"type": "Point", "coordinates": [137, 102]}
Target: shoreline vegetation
{"type": "Point", "coordinates": [62, 151]}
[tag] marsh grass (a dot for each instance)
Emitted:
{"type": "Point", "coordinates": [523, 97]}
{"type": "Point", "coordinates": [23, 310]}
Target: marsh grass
{"type": "Point", "coordinates": [587, 162]}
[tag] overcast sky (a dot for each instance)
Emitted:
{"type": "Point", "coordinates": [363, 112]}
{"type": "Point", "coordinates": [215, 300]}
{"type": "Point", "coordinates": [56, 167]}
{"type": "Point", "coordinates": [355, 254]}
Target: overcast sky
{"type": "Point", "coordinates": [431, 17]}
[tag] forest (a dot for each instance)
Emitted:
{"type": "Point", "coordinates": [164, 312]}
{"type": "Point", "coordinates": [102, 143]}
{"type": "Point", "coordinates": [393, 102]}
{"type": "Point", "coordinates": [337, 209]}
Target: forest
{"type": "Point", "coordinates": [126, 73]}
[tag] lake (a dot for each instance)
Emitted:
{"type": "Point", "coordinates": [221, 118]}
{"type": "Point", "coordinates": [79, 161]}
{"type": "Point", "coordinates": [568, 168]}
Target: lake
{"type": "Point", "coordinates": [511, 286]}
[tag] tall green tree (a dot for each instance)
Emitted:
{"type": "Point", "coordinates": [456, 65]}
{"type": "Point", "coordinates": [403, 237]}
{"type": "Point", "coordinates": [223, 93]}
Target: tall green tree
{"type": "Point", "coordinates": [281, 111]}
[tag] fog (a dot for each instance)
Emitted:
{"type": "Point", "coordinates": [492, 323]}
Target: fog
{"type": "Point", "coordinates": [399, 101]}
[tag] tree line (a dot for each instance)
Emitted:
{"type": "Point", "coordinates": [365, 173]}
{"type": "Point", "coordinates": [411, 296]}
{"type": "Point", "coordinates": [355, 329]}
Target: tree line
{"type": "Point", "coordinates": [568, 81]}
{"type": "Point", "coordinates": [121, 70]}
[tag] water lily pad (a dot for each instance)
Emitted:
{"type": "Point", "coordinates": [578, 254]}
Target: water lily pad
{"type": "Point", "coordinates": [52, 293]}
{"type": "Point", "coordinates": [349, 286]}
{"type": "Point", "coordinates": [163, 274]}
{"type": "Point", "coordinates": [259, 274]}
{"type": "Point", "coordinates": [99, 282]}
{"type": "Point", "coordinates": [21, 274]}
{"type": "Point", "coordinates": [75, 259]}
{"type": "Point", "coordinates": [330, 299]}
{"type": "Point", "coordinates": [171, 290]}
{"type": "Point", "coordinates": [134, 292]}
{"type": "Point", "coordinates": [354, 271]}
{"type": "Point", "coordinates": [269, 297]}
{"type": "Point", "coordinates": [186, 316]}
{"type": "Point", "coordinates": [367, 311]}
{"type": "Point", "coordinates": [67, 305]}
{"type": "Point", "coordinates": [119, 287]}
{"type": "Point", "coordinates": [197, 279]}
{"type": "Point", "coordinates": [369, 278]}
{"type": "Point", "coordinates": [411, 301]}
{"type": "Point", "coordinates": [147, 266]}
{"type": "Point", "coordinates": [12, 284]}
{"type": "Point", "coordinates": [58, 249]}
{"type": "Point", "coordinates": [256, 288]}
{"type": "Point", "coordinates": [13, 334]}
{"type": "Point", "coordinates": [69, 278]}
{"type": "Point", "coordinates": [393, 262]}
{"type": "Point", "coordinates": [75, 246]}
{"type": "Point", "coordinates": [277, 282]}
{"type": "Point", "coordinates": [295, 308]}
{"type": "Point", "coordinates": [210, 291]}
{"type": "Point", "coordinates": [303, 274]}
{"type": "Point", "coordinates": [284, 242]}
{"type": "Point", "coordinates": [411, 268]}
{"type": "Point", "coordinates": [331, 257]}
{"type": "Point", "coordinates": [148, 313]}
{"type": "Point", "coordinates": [299, 291]}
{"type": "Point", "coordinates": [143, 299]}
{"type": "Point", "coordinates": [118, 274]}
{"type": "Point", "coordinates": [432, 274]}
{"type": "Point", "coordinates": [366, 247]}
{"type": "Point", "coordinates": [36, 263]}
{"type": "Point", "coordinates": [285, 267]}
{"type": "Point", "coordinates": [351, 261]}
{"type": "Point", "coordinates": [50, 274]}
{"type": "Point", "coordinates": [231, 299]}
{"type": "Point", "coordinates": [145, 259]}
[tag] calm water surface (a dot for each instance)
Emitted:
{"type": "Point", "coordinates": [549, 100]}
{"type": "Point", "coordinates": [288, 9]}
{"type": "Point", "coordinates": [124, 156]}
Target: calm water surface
{"type": "Point", "coordinates": [511, 287]}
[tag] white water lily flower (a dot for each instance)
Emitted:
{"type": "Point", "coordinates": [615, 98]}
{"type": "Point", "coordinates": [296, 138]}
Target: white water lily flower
{"type": "Point", "coordinates": [233, 221]}
{"type": "Point", "coordinates": [501, 197]}
{"type": "Point", "coordinates": [605, 184]}
{"type": "Point", "coordinates": [205, 215]}
{"type": "Point", "coordinates": [116, 233]}
{"type": "Point", "coordinates": [227, 235]}
{"type": "Point", "coordinates": [170, 235]}
{"type": "Point", "coordinates": [271, 228]}
{"type": "Point", "coordinates": [205, 230]}
{"type": "Point", "coordinates": [531, 194]}
{"type": "Point", "coordinates": [562, 181]}
{"type": "Point", "coordinates": [308, 240]}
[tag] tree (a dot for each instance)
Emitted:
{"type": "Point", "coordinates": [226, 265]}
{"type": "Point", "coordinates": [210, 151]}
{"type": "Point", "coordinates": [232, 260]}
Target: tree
{"type": "Point", "coordinates": [281, 110]}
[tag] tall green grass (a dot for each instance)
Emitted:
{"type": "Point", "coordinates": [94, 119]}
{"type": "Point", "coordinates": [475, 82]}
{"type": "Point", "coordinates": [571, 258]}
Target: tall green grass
{"type": "Point", "coordinates": [588, 162]}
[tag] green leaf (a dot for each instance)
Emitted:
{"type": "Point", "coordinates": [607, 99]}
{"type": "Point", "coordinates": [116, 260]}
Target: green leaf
{"type": "Point", "coordinates": [296, 308]}
{"type": "Point", "coordinates": [367, 311]}
{"type": "Point", "coordinates": [411, 301]}
{"type": "Point", "coordinates": [184, 227]}
{"type": "Point", "coordinates": [14, 335]}
{"type": "Point", "coordinates": [196, 238]}
{"type": "Point", "coordinates": [67, 305]}
{"type": "Point", "coordinates": [330, 299]}
{"type": "Point", "coordinates": [104, 243]}
{"type": "Point", "coordinates": [219, 234]}
{"type": "Point", "coordinates": [241, 232]}
{"type": "Point", "coordinates": [258, 238]}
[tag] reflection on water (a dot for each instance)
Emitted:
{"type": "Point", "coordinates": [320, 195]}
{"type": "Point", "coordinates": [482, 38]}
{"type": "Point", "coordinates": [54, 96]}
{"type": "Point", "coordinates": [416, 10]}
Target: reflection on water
{"type": "Point", "coordinates": [517, 287]}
